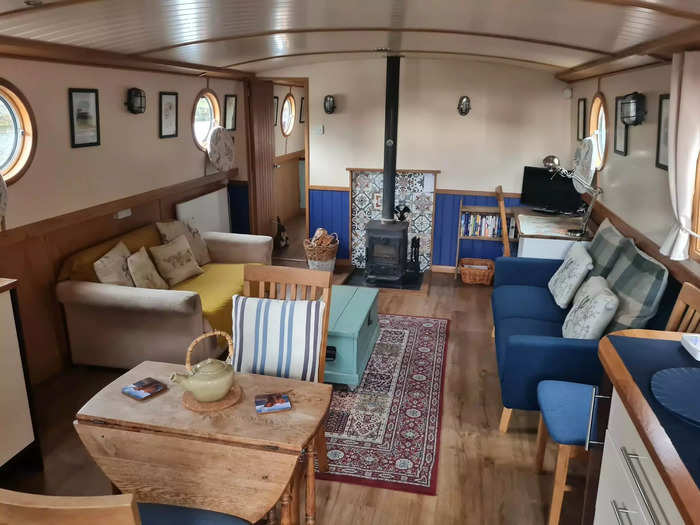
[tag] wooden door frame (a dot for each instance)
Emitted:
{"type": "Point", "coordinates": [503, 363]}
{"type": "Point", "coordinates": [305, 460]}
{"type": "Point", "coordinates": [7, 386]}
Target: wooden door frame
{"type": "Point", "coordinates": [301, 82]}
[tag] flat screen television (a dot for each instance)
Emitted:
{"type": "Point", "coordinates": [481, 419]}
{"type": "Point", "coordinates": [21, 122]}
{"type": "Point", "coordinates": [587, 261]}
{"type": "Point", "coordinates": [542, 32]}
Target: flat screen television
{"type": "Point", "coordinates": [547, 193]}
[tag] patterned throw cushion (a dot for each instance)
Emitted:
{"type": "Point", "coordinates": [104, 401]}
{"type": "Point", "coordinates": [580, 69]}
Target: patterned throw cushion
{"type": "Point", "coordinates": [594, 307]}
{"type": "Point", "coordinates": [639, 282]}
{"type": "Point", "coordinates": [175, 261]}
{"type": "Point", "coordinates": [605, 248]}
{"type": "Point", "coordinates": [111, 268]}
{"type": "Point", "coordinates": [170, 230]}
{"type": "Point", "coordinates": [570, 275]}
{"type": "Point", "coordinates": [276, 337]}
{"type": "Point", "coordinates": [143, 272]}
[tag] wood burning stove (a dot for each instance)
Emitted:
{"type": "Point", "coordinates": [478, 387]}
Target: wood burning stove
{"type": "Point", "coordinates": [387, 251]}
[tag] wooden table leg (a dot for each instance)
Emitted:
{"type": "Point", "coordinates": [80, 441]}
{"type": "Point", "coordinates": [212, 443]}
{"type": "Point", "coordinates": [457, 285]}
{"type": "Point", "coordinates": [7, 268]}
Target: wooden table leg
{"type": "Point", "coordinates": [310, 484]}
{"type": "Point", "coordinates": [321, 448]}
{"type": "Point", "coordinates": [286, 510]}
{"type": "Point", "coordinates": [295, 493]}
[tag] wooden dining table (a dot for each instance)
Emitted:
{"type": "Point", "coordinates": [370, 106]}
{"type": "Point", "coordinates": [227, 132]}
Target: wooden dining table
{"type": "Point", "coordinates": [233, 461]}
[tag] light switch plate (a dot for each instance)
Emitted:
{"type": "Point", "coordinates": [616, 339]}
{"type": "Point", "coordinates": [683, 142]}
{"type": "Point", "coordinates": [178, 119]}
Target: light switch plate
{"type": "Point", "coordinates": [319, 130]}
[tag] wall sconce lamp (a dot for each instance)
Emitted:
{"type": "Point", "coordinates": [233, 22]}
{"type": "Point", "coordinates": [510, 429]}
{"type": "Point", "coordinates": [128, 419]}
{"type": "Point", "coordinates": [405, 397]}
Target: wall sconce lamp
{"type": "Point", "coordinates": [633, 109]}
{"type": "Point", "coordinates": [329, 104]}
{"type": "Point", "coordinates": [464, 105]}
{"type": "Point", "coordinates": [135, 101]}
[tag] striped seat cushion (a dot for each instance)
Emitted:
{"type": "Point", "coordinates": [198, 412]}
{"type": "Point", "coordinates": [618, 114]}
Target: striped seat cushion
{"type": "Point", "coordinates": [276, 337]}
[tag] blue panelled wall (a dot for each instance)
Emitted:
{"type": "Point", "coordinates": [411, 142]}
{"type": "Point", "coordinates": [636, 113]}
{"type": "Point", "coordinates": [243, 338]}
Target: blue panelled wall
{"type": "Point", "coordinates": [331, 210]}
{"type": "Point", "coordinates": [239, 208]}
{"type": "Point", "coordinates": [446, 224]}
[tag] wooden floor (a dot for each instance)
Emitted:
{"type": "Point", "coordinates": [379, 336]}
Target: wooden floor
{"type": "Point", "coordinates": [296, 230]}
{"type": "Point", "coordinates": [484, 477]}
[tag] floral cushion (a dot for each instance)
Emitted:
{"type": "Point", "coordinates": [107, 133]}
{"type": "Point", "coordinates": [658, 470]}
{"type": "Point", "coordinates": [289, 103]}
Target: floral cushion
{"type": "Point", "coordinates": [594, 307]}
{"type": "Point", "coordinates": [143, 272]}
{"type": "Point", "coordinates": [570, 275]}
{"type": "Point", "coordinates": [170, 230]}
{"type": "Point", "coordinates": [175, 261]}
{"type": "Point", "coordinates": [111, 268]}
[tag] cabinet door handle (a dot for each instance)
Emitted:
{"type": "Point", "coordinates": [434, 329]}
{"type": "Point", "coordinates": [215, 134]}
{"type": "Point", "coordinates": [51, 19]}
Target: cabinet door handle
{"type": "Point", "coordinates": [591, 413]}
{"type": "Point", "coordinates": [620, 511]}
{"type": "Point", "coordinates": [638, 483]}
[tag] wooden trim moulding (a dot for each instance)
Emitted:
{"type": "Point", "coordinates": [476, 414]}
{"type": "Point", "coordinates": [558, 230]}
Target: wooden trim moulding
{"type": "Point", "coordinates": [329, 188]}
{"type": "Point", "coordinates": [294, 155]}
{"type": "Point", "coordinates": [7, 284]}
{"type": "Point", "coordinates": [437, 268]}
{"type": "Point", "coordinates": [27, 49]}
{"type": "Point", "coordinates": [477, 193]}
{"type": "Point", "coordinates": [677, 269]}
{"type": "Point", "coordinates": [36, 229]}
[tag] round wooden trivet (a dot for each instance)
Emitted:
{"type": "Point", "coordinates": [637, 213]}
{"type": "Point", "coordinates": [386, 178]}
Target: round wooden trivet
{"type": "Point", "coordinates": [233, 397]}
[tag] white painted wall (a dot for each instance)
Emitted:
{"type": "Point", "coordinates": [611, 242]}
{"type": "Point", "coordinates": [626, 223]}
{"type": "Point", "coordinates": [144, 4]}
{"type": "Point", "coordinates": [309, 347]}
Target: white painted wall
{"type": "Point", "coordinates": [295, 141]}
{"type": "Point", "coordinates": [518, 116]}
{"type": "Point", "coordinates": [131, 158]}
{"type": "Point", "coordinates": [633, 186]}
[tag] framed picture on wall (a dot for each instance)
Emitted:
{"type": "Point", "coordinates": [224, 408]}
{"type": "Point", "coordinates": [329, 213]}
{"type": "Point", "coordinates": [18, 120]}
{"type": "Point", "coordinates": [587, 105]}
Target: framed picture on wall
{"type": "Point", "coordinates": [84, 109]}
{"type": "Point", "coordinates": [621, 129]}
{"type": "Point", "coordinates": [662, 132]}
{"type": "Point", "coordinates": [167, 114]}
{"type": "Point", "coordinates": [301, 112]}
{"type": "Point", "coordinates": [230, 107]}
{"type": "Point", "coordinates": [581, 122]}
{"type": "Point", "coordinates": [276, 105]}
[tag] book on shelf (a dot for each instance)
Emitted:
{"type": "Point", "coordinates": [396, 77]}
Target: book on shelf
{"type": "Point", "coordinates": [485, 225]}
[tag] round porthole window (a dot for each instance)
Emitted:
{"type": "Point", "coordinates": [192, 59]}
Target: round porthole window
{"type": "Point", "coordinates": [206, 115]}
{"type": "Point", "coordinates": [17, 133]}
{"type": "Point", "coordinates": [598, 129]}
{"type": "Point", "coordinates": [289, 112]}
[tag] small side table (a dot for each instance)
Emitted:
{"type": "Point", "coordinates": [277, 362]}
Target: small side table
{"type": "Point", "coordinates": [546, 236]}
{"type": "Point", "coordinates": [353, 330]}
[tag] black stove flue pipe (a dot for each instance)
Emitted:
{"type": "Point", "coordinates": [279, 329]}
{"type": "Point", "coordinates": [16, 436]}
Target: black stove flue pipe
{"type": "Point", "coordinates": [391, 124]}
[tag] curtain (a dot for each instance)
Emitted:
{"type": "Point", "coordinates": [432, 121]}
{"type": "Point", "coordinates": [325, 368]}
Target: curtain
{"type": "Point", "coordinates": [683, 149]}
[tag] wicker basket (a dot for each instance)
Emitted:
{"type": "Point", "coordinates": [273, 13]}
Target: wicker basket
{"type": "Point", "coordinates": [476, 275]}
{"type": "Point", "coordinates": [321, 257]}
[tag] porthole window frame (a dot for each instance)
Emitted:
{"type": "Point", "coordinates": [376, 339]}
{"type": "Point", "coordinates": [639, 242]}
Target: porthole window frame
{"type": "Point", "coordinates": [294, 114]}
{"type": "Point", "coordinates": [597, 105]}
{"type": "Point", "coordinates": [23, 111]}
{"type": "Point", "coordinates": [210, 95]}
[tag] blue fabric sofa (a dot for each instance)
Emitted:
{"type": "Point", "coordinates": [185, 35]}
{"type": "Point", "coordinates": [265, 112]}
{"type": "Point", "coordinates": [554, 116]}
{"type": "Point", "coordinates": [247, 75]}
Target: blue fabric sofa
{"type": "Point", "coordinates": [528, 330]}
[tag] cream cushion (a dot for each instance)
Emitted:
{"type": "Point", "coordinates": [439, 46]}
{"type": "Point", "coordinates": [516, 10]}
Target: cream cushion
{"type": "Point", "coordinates": [570, 275]}
{"type": "Point", "coordinates": [111, 268]}
{"type": "Point", "coordinates": [594, 307]}
{"type": "Point", "coordinates": [175, 261]}
{"type": "Point", "coordinates": [143, 271]}
{"type": "Point", "coordinates": [170, 230]}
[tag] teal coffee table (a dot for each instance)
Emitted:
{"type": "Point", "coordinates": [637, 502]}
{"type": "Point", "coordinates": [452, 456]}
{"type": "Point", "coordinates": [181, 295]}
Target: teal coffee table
{"type": "Point", "coordinates": [353, 329]}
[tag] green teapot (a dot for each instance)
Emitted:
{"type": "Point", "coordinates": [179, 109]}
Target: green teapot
{"type": "Point", "coordinates": [209, 380]}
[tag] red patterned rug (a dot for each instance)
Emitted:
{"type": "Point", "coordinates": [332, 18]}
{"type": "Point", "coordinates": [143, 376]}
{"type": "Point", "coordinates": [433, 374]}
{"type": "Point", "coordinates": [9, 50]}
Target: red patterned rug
{"type": "Point", "coordinates": [387, 433]}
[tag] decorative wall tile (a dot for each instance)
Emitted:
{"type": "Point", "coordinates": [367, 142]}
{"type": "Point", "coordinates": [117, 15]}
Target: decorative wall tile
{"type": "Point", "coordinates": [415, 190]}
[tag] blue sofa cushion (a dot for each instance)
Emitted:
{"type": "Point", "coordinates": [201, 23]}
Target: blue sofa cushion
{"type": "Point", "coordinates": [521, 326]}
{"type": "Point", "coordinates": [565, 408]}
{"type": "Point", "coordinates": [531, 302]}
{"type": "Point", "coordinates": [155, 514]}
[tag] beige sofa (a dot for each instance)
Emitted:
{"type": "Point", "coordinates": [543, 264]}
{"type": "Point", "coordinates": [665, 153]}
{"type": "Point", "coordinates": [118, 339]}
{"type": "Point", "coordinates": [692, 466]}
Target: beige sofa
{"type": "Point", "coordinates": [121, 326]}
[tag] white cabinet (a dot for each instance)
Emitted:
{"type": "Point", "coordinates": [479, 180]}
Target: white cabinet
{"type": "Point", "coordinates": [545, 248]}
{"type": "Point", "coordinates": [16, 432]}
{"type": "Point", "coordinates": [631, 490]}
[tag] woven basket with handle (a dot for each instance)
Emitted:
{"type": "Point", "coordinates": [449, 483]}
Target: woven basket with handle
{"type": "Point", "coordinates": [476, 275]}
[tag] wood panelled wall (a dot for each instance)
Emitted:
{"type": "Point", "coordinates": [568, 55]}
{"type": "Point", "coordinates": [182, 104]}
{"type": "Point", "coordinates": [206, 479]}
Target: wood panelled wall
{"type": "Point", "coordinates": [34, 254]}
{"type": "Point", "coordinates": [286, 186]}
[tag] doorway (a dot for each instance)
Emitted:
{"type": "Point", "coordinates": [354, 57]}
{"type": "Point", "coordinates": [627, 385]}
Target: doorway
{"type": "Point", "coordinates": [290, 173]}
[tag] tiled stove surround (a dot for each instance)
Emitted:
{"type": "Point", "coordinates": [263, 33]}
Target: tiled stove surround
{"type": "Point", "coordinates": [413, 189]}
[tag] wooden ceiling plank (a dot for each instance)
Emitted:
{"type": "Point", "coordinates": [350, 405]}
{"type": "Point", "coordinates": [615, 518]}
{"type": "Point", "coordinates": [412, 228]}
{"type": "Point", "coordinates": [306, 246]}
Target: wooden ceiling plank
{"type": "Point", "coordinates": [653, 6]}
{"type": "Point", "coordinates": [371, 29]}
{"type": "Point", "coordinates": [37, 50]}
{"type": "Point", "coordinates": [674, 42]}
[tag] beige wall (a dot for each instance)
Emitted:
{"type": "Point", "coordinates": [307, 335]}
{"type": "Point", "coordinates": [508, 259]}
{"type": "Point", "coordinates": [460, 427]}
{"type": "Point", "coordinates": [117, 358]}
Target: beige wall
{"type": "Point", "coordinates": [633, 186]}
{"type": "Point", "coordinates": [518, 116]}
{"type": "Point", "coordinates": [295, 141]}
{"type": "Point", "coordinates": [131, 158]}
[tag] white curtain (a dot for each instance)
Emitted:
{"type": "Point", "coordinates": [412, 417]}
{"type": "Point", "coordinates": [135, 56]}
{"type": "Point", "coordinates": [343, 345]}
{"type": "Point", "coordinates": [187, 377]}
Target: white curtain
{"type": "Point", "coordinates": [683, 149]}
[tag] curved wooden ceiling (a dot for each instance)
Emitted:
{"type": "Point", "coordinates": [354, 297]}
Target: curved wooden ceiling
{"type": "Point", "coordinates": [256, 35]}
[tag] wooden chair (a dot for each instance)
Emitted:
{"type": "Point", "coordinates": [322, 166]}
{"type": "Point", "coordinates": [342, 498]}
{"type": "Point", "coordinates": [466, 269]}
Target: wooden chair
{"type": "Point", "coordinates": [685, 316]}
{"type": "Point", "coordinates": [507, 413]}
{"type": "Point", "coordinates": [35, 509]}
{"type": "Point", "coordinates": [298, 284]}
